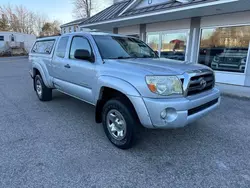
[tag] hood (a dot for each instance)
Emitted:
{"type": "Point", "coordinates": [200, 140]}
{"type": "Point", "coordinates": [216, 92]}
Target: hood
{"type": "Point", "coordinates": [159, 66]}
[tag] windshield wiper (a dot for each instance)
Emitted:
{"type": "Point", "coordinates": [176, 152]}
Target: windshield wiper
{"type": "Point", "coordinates": [147, 56]}
{"type": "Point", "coordinates": [120, 57]}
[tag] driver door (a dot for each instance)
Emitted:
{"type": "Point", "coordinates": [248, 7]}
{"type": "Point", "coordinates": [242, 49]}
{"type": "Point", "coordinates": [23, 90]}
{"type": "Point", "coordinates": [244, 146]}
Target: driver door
{"type": "Point", "coordinates": [81, 74]}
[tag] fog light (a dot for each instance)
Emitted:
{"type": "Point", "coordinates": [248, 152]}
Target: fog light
{"type": "Point", "coordinates": [242, 67]}
{"type": "Point", "coordinates": [169, 114]}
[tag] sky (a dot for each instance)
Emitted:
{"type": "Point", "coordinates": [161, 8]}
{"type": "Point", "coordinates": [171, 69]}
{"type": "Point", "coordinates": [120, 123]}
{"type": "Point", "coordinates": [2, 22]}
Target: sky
{"type": "Point", "coordinates": [55, 9]}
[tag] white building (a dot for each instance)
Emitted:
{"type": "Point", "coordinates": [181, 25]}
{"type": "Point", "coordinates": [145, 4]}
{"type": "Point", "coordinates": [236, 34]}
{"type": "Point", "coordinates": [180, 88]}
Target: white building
{"type": "Point", "coordinates": [215, 33]}
{"type": "Point", "coordinates": [13, 41]}
{"type": "Point", "coordinates": [97, 6]}
{"type": "Point", "coordinates": [71, 26]}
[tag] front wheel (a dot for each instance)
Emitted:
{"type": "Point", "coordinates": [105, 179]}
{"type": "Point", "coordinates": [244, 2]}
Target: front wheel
{"type": "Point", "coordinates": [119, 123]}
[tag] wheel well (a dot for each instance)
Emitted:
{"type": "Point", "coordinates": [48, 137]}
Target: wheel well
{"type": "Point", "coordinates": [106, 94]}
{"type": "Point", "coordinates": [36, 72]}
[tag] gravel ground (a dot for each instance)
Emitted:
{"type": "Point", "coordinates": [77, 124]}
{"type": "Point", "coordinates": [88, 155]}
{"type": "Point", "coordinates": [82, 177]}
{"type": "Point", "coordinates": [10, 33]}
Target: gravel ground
{"type": "Point", "coordinates": [58, 144]}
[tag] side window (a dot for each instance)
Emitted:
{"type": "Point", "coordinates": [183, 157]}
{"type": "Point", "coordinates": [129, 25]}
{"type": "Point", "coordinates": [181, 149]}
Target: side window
{"type": "Point", "coordinates": [1, 38]}
{"type": "Point", "coordinates": [43, 47]}
{"type": "Point", "coordinates": [79, 43]}
{"type": "Point", "coordinates": [61, 48]}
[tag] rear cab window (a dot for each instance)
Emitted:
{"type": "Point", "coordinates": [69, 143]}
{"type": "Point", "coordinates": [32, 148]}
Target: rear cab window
{"type": "Point", "coordinates": [43, 46]}
{"type": "Point", "coordinates": [62, 47]}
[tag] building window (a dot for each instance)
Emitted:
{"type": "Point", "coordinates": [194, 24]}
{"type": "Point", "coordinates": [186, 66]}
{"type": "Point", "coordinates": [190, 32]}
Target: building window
{"type": "Point", "coordinates": [64, 30]}
{"type": "Point", "coordinates": [70, 29]}
{"type": "Point", "coordinates": [153, 41]}
{"type": "Point", "coordinates": [1, 38]}
{"type": "Point", "coordinates": [225, 48]}
{"type": "Point", "coordinates": [169, 45]}
{"type": "Point", "coordinates": [173, 46]}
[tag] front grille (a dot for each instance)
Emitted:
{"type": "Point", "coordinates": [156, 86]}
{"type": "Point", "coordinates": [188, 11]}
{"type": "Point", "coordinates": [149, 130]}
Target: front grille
{"type": "Point", "coordinates": [232, 60]}
{"type": "Point", "coordinates": [202, 107]}
{"type": "Point", "coordinates": [201, 83]}
{"type": "Point", "coordinates": [229, 60]}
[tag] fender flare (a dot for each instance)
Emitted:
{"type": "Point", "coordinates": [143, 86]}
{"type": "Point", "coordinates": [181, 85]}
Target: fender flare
{"type": "Point", "coordinates": [44, 74]}
{"type": "Point", "coordinates": [115, 83]}
{"type": "Point", "coordinates": [120, 85]}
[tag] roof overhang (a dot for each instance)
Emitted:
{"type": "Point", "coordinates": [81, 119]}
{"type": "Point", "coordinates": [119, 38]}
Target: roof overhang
{"type": "Point", "coordinates": [198, 10]}
{"type": "Point", "coordinates": [75, 22]}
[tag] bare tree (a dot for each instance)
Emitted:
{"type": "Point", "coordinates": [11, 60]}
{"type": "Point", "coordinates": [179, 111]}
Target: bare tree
{"type": "Point", "coordinates": [82, 8]}
{"type": "Point", "coordinates": [20, 19]}
{"type": "Point", "coordinates": [24, 20]}
{"type": "Point", "coordinates": [41, 19]}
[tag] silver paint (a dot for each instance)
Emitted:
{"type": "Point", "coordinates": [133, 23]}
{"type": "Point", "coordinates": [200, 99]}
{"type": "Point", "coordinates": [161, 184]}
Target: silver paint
{"type": "Point", "coordinates": [85, 81]}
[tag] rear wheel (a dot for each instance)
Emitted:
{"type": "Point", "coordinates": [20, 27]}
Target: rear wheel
{"type": "Point", "coordinates": [43, 92]}
{"type": "Point", "coordinates": [119, 123]}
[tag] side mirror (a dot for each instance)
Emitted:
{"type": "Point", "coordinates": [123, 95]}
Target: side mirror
{"type": "Point", "coordinates": [157, 53]}
{"type": "Point", "coordinates": [83, 55]}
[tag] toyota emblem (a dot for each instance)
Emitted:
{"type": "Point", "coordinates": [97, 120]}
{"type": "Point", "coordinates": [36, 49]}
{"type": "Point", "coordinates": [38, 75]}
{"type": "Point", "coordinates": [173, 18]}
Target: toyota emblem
{"type": "Point", "coordinates": [203, 83]}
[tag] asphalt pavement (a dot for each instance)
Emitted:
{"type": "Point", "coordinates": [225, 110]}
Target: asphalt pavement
{"type": "Point", "coordinates": [58, 144]}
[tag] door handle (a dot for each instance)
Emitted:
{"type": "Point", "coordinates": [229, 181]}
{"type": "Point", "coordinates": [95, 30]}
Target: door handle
{"type": "Point", "coordinates": [67, 66]}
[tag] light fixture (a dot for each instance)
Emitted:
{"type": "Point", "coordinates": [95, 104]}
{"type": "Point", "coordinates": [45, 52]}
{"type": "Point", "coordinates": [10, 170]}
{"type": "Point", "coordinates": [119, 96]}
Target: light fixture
{"type": "Point", "coordinates": [184, 1]}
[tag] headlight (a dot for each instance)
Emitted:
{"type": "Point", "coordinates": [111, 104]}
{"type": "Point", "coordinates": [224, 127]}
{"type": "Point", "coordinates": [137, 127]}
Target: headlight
{"type": "Point", "coordinates": [216, 58]}
{"type": "Point", "coordinates": [164, 85]}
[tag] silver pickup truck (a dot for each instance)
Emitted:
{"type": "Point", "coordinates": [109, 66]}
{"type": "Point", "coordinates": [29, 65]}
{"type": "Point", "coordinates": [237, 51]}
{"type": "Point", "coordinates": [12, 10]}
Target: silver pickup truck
{"type": "Point", "coordinates": [125, 80]}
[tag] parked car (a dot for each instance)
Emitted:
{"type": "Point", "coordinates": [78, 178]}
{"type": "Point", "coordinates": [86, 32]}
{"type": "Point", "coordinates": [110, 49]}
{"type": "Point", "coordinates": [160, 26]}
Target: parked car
{"type": "Point", "coordinates": [173, 55]}
{"type": "Point", "coordinates": [125, 80]}
{"type": "Point", "coordinates": [233, 59]}
{"type": "Point", "coordinates": [206, 55]}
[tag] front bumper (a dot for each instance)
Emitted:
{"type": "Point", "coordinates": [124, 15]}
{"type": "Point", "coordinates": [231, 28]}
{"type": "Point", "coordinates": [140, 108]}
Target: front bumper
{"type": "Point", "coordinates": [182, 111]}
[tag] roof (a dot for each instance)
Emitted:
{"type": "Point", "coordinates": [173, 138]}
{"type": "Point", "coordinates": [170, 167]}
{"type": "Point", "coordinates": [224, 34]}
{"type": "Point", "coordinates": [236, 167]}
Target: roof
{"type": "Point", "coordinates": [108, 13]}
{"type": "Point", "coordinates": [118, 10]}
{"type": "Point", "coordinates": [94, 33]}
{"type": "Point", "coordinates": [13, 32]}
{"type": "Point", "coordinates": [75, 22]}
{"type": "Point", "coordinates": [47, 38]}
{"type": "Point", "coordinates": [163, 6]}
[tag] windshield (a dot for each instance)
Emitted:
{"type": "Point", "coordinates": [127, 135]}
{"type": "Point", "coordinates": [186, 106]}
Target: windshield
{"type": "Point", "coordinates": [117, 47]}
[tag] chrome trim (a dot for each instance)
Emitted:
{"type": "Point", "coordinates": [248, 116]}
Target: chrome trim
{"type": "Point", "coordinates": [186, 77]}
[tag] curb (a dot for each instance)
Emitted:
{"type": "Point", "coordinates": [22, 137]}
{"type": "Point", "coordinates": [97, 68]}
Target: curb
{"type": "Point", "coordinates": [242, 97]}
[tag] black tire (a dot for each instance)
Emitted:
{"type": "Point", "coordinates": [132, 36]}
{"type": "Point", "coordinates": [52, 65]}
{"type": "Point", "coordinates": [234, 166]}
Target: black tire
{"type": "Point", "coordinates": [46, 93]}
{"type": "Point", "coordinates": [130, 120]}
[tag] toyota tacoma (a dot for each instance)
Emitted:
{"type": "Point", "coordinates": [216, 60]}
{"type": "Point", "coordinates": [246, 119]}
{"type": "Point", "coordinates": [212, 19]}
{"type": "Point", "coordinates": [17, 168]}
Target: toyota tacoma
{"type": "Point", "coordinates": [125, 80]}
